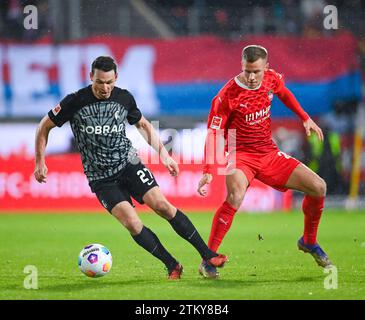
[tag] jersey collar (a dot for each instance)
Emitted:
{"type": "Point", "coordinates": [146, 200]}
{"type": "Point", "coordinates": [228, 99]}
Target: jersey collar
{"type": "Point", "coordinates": [240, 84]}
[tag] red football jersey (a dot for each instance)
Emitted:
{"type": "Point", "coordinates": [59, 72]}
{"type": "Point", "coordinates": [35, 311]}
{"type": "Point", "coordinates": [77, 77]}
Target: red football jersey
{"type": "Point", "coordinates": [247, 111]}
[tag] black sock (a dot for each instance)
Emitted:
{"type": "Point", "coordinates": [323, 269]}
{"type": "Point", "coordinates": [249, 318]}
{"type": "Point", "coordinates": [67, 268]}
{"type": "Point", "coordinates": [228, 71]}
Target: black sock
{"type": "Point", "coordinates": [149, 241]}
{"type": "Point", "coordinates": [185, 229]}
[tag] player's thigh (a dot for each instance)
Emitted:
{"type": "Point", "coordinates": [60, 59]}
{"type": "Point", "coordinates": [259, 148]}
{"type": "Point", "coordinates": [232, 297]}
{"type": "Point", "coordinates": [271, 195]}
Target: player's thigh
{"type": "Point", "coordinates": [110, 193]}
{"type": "Point", "coordinates": [155, 199]}
{"type": "Point", "coordinates": [237, 184]}
{"type": "Point", "coordinates": [305, 180]}
{"type": "Point", "coordinates": [138, 181]}
{"type": "Point", "coordinates": [276, 168]}
{"type": "Point", "coordinates": [128, 217]}
{"type": "Point", "coordinates": [143, 187]}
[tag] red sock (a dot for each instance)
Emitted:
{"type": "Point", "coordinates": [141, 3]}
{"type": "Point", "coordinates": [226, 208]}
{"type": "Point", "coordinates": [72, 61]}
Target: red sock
{"type": "Point", "coordinates": [221, 223]}
{"type": "Point", "coordinates": [312, 208]}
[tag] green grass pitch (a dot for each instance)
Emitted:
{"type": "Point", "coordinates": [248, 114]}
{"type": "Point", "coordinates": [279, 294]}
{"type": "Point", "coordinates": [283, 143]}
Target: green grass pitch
{"type": "Point", "coordinates": [265, 267]}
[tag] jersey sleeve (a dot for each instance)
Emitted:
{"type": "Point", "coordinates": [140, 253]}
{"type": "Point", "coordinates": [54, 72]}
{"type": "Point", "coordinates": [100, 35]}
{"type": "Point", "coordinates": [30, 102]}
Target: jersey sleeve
{"type": "Point", "coordinates": [289, 100]}
{"type": "Point", "coordinates": [278, 82]}
{"type": "Point", "coordinates": [64, 111]}
{"type": "Point", "coordinates": [217, 120]}
{"type": "Point", "coordinates": [219, 113]}
{"type": "Point", "coordinates": [134, 114]}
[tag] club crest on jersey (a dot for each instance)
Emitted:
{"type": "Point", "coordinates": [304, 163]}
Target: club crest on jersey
{"type": "Point", "coordinates": [216, 122]}
{"type": "Point", "coordinates": [56, 110]}
{"type": "Point", "coordinates": [270, 95]}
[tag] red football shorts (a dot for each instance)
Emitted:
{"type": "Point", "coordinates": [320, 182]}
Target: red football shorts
{"type": "Point", "coordinates": [273, 168]}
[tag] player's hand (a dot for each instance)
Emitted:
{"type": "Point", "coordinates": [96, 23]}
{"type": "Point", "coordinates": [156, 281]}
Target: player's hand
{"type": "Point", "coordinates": [40, 173]}
{"type": "Point", "coordinates": [310, 125]}
{"type": "Point", "coordinates": [206, 179]}
{"type": "Point", "coordinates": [171, 166]}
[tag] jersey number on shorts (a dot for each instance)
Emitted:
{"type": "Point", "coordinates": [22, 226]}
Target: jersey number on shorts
{"type": "Point", "coordinates": [145, 178]}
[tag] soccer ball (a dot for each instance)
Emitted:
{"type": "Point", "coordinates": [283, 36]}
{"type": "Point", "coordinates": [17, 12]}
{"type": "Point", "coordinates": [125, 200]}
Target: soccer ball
{"type": "Point", "coordinates": [95, 260]}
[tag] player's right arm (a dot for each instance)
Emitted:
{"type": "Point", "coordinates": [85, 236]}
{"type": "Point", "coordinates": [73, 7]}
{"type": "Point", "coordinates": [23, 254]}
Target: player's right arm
{"type": "Point", "coordinates": [214, 142]}
{"type": "Point", "coordinates": [41, 138]}
{"type": "Point", "coordinates": [57, 116]}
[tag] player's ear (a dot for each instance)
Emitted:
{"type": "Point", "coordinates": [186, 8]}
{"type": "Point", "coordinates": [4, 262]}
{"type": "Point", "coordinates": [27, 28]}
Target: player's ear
{"type": "Point", "coordinates": [243, 65]}
{"type": "Point", "coordinates": [267, 66]}
{"type": "Point", "coordinates": [91, 76]}
{"type": "Point", "coordinates": [116, 75]}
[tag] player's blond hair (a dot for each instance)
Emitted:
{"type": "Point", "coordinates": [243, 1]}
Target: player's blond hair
{"type": "Point", "coordinates": [254, 52]}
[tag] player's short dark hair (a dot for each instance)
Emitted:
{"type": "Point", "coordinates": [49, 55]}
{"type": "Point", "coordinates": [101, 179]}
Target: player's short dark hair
{"type": "Point", "coordinates": [254, 52]}
{"type": "Point", "coordinates": [104, 63]}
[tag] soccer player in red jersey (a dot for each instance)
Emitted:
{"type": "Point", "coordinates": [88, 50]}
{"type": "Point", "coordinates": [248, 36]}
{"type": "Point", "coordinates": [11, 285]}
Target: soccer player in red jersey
{"type": "Point", "coordinates": [241, 111]}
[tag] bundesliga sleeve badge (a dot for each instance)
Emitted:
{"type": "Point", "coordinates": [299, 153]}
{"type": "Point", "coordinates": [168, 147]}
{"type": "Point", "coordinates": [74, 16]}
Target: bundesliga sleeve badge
{"type": "Point", "coordinates": [56, 110]}
{"type": "Point", "coordinates": [216, 122]}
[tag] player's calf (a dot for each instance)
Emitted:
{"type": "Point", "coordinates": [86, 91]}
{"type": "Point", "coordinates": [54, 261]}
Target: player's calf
{"type": "Point", "coordinates": [235, 198]}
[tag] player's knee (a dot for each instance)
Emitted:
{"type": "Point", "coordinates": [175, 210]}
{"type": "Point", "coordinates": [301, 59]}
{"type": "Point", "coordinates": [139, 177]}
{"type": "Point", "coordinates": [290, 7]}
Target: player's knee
{"type": "Point", "coordinates": [320, 187]}
{"type": "Point", "coordinates": [130, 221]}
{"type": "Point", "coordinates": [235, 198]}
{"type": "Point", "coordinates": [133, 225]}
{"type": "Point", "coordinates": [163, 208]}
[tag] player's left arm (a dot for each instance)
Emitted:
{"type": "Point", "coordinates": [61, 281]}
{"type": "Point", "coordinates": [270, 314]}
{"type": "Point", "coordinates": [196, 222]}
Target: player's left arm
{"type": "Point", "coordinates": [289, 100]}
{"type": "Point", "coordinates": [147, 131]}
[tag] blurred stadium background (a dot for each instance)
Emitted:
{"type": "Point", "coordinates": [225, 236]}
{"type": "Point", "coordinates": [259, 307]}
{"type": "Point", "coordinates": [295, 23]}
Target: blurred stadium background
{"type": "Point", "coordinates": [174, 56]}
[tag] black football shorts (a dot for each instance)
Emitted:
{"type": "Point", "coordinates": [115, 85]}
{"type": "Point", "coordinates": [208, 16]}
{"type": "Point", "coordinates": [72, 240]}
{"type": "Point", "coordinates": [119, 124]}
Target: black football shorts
{"type": "Point", "coordinates": [133, 181]}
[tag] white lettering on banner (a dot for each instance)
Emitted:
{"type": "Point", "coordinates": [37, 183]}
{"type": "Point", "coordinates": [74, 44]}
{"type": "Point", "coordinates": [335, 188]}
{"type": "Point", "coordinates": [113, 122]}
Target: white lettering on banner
{"type": "Point", "coordinates": [181, 187]}
{"type": "Point", "coordinates": [41, 75]}
{"type": "Point", "coordinates": [11, 184]}
{"type": "Point", "coordinates": [2, 184]}
{"type": "Point", "coordinates": [192, 145]}
{"type": "Point", "coordinates": [14, 188]}
{"type": "Point", "coordinates": [136, 74]}
{"type": "Point", "coordinates": [74, 65]}
{"type": "Point", "coordinates": [59, 185]}
{"type": "Point", "coordinates": [186, 180]}
{"type": "Point", "coordinates": [167, 185]}
{"type": "Point", "coordinates": [259, 199]}
{"type": "Point", "coordinates": [28, 69]}
{"type": "Point", "coordinates": [69, 66]}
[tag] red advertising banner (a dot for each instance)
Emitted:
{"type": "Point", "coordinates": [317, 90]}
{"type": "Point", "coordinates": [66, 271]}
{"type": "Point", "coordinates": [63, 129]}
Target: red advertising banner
{"type": "Point", "coordinates": [179, 76]}
{"type": "Point", "coordinates": [67, 188]}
